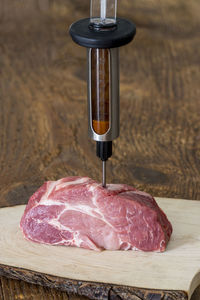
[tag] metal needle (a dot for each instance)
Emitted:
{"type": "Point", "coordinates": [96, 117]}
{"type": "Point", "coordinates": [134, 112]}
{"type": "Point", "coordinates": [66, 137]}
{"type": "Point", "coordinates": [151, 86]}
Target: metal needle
{"type": "Point", "coordinates": [104, 174]}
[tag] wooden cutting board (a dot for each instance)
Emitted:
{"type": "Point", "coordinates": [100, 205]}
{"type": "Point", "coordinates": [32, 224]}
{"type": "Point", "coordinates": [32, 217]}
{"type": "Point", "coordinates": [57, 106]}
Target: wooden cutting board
{"type": "Point", "coordinates": [99, 275]}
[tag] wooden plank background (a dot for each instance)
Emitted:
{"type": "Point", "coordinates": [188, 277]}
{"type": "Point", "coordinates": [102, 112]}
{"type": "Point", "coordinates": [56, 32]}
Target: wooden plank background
{"type": "Point", "coordinates": [43, 124]}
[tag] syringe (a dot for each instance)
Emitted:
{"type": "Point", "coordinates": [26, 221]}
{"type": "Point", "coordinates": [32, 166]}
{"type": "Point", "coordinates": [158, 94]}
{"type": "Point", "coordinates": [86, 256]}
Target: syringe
{"type": "Point", "coordinates": [102, 35]}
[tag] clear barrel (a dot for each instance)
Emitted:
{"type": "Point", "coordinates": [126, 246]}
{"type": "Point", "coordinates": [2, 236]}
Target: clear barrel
{"type": "Point", "coordinates": [103, 12]}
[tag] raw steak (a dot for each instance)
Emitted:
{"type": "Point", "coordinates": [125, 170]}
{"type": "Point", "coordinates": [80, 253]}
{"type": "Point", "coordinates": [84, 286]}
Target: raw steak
{"type": "Point", "coordinates": [78, 211]}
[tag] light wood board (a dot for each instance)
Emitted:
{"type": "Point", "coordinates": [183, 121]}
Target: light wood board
{"type": "Point", "coordinates": [176, 269]}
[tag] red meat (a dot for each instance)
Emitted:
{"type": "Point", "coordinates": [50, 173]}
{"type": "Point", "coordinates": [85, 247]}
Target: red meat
{"type": "Point", "coordinates": [78, 211]}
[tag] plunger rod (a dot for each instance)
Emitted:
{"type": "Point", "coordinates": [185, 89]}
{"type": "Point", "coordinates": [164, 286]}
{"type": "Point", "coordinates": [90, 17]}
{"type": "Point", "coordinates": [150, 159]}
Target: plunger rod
{"type": "Point", "coordinates": [103, 9]}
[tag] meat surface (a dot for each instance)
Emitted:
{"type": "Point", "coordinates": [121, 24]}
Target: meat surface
{"type": "Point", "coordinates": [78, 211]}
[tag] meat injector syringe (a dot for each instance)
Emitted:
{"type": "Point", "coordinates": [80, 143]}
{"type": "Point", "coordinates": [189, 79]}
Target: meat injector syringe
{"type": "Point", "coordinates": [102, 34]}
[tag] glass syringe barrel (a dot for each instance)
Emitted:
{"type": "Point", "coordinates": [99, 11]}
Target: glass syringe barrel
{"type": "Point", "coordinates": [103, 94]}
{"type": "Point", "coordinates": [100, 90]}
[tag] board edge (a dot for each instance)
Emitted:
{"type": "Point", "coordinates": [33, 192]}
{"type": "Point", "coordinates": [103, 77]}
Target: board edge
{"type": "Point", "coordinates": [92, 290]}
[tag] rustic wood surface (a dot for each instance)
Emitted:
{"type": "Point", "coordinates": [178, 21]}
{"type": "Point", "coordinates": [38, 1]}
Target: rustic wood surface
{"type": "Point", "coordinates": [43, 126]}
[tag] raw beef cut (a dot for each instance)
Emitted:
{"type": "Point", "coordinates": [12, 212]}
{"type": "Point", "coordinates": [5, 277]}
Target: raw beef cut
{"type": "Point", "coordinates": [78, 211]}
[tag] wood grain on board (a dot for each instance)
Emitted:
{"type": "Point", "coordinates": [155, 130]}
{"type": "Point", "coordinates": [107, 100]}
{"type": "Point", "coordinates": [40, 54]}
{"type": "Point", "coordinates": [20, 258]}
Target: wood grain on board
{"type": "Point", "coordinates": [43, 123]}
